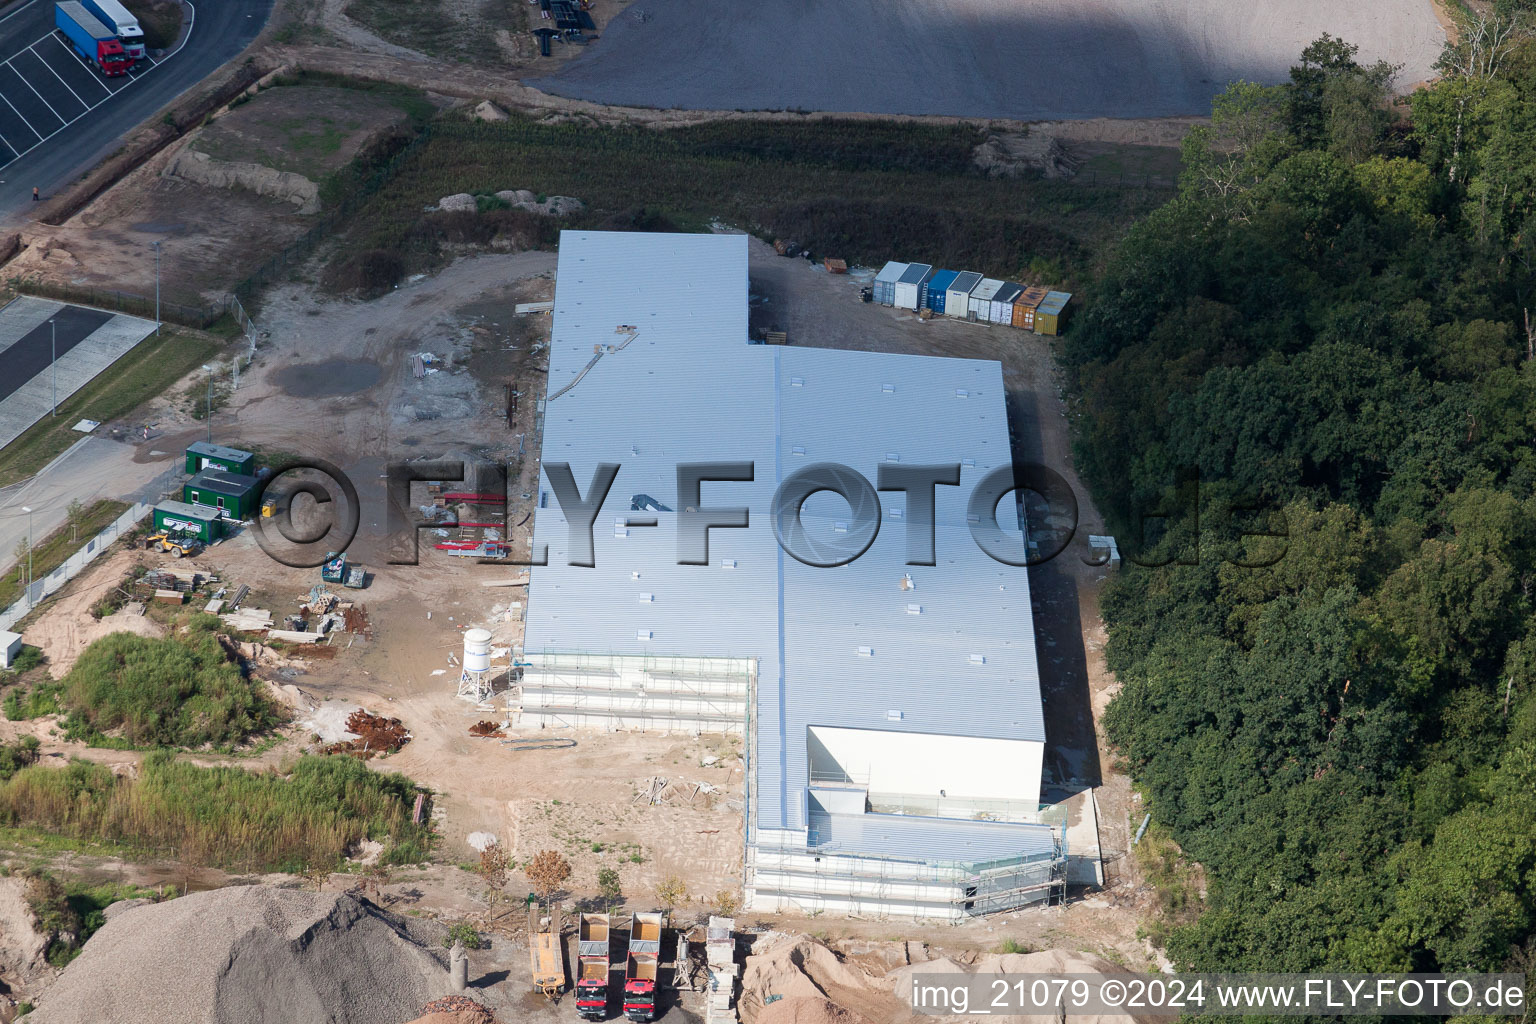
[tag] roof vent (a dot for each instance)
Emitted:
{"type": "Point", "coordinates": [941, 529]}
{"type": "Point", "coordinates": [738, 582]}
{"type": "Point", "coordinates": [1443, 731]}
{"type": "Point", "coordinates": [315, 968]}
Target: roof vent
{"type": "Point", "coordinates": [894, 513]}
{"type": "Point", "coordinates": [866, 652]}
{"type": "Point", "coordinates": [647, 598]}
{"type": "Point", "coordinates": [893, 456]}
{"type": "Point", "coordinates": [797, 382]}
{"type": "Point", "coordinates": [894, 716]}
{"type": "Point", "coordinates": [839, 527]}
{"type": "Point", "coordinates": [634, 575]}
{"type": "Point", "coordinates": [968, 462]}
{"type": "Point", "coordinates": [914, 609]}
{"type": "Point", "coordinates": [889, 389]}
{"type": "Point", "coordinates": [642, 634]}
{"type": "Point", "coordinates": [727, 563]}
{"type": "Point", "coordinates": [798, 449]}
{"type": "Point", "coordinates": [962, 393]}
{"type": "Point", "coordinates": [906, 582]}
{"type": "Point", "coordinates": [978, 659]}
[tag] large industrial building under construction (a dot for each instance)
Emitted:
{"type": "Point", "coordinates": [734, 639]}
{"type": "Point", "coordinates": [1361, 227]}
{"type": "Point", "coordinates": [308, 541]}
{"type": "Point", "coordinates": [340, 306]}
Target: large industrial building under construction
{"type": "Point", "coordinates": [891, 712]}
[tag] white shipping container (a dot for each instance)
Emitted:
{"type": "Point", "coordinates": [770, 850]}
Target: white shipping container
{"type": "Point", "coordinates": [909, 288]}
{"type": "Point", "coordinates": [958, 296]}
{"type": "Point", "coordinates": [981, 299]}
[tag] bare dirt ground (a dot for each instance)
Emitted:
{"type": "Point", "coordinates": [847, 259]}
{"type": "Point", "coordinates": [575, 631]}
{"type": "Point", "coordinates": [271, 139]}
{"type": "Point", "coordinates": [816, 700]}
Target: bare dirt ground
{"type": "Point", "coordinates": [1035, 60]}
{"type": "Point", "coordinates": [213, 236]}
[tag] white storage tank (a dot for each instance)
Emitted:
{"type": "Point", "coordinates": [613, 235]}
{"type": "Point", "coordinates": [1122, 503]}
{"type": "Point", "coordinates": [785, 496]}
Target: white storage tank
{"type": "Point", "coordinates": [477, 650]}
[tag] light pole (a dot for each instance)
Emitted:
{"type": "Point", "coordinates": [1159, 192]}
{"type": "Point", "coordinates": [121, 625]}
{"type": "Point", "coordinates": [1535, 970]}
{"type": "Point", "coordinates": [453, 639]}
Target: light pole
{"type": "Point", "coordinates": [54, 364]}
{"type": "Point", "coordinates": [28, 511]}
{"type": "Point", "coordinates": [156, 244]}
{"type": "Point", "coordinates": [210, 401]}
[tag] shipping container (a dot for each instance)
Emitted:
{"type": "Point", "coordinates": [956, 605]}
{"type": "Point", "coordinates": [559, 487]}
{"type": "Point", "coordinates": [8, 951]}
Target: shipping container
{"type": "Point", "coordinates": [1024, 306]}
{"type": "Point", "coordinates": [232, 493]}
{"type": "Point", "coordinates": [979, 308]}
{"type": "Point", "coordinates": [1051, 315]}
{"type": "Point", "coordinates": [179, 517]}
{"type": "Point", "coordinates": [958, 296]}
{"type": "Point", "coordinates": [885, 283]}
{"type": "Point", "coordinates": [938, 289]}
{"type": "Point", "coordinates": [910, 286]}
{"type": "Point", "coordinates": [1002, 303]}
{"type": "Point", "coordinates": [204, 455]}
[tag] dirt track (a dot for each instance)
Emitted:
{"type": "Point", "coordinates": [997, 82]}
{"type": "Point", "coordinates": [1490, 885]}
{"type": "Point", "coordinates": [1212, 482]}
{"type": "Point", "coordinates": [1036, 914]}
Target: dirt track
{"type": "Point", "coordinates": [1025, 59]}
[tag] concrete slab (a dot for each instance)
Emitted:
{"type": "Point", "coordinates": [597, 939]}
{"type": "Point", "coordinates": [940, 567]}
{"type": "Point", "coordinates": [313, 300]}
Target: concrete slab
{"type": "Point", "coordinates": [79, 361]}
{"type": "Point", "coordinates": [22, 315]}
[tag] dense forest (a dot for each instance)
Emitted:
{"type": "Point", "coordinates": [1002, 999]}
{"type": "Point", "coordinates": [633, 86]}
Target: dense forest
{"type": "Point", "coordinates": [1329, 324]}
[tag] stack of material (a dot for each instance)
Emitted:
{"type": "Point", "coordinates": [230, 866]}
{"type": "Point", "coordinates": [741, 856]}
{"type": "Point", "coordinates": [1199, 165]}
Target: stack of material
{"type": "Point", "coordinates": [720, 950]}
{"type": "Point", "coordinates": [249, 620]}
{"type": "Point", "coordinates": [250, 955]}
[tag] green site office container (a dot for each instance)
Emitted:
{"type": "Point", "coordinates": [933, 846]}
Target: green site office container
{"type": "Point", "coordinates": [204, 455]}
{"type": "Point", "coordinates": [232, 493]}
{"type": "Point", "coordinates": [179, 517]}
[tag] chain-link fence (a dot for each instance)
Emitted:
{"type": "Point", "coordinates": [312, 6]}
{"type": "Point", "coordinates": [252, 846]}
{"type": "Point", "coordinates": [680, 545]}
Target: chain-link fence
{"type": "Point", "coordinates": [48, 585]}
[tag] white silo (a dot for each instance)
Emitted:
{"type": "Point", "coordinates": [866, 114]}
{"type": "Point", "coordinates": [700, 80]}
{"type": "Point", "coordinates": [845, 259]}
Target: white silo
{"type": "Point", "coordinates": [475, 683]}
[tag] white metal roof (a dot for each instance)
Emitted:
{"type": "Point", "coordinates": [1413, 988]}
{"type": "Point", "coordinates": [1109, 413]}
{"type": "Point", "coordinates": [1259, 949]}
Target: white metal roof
{"type": "Point", "coordinates": [688, 388]}
{"type": "Point", "coordinates": [892, 272]}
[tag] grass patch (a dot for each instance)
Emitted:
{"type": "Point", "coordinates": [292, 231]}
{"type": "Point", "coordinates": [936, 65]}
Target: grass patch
{"type": "Point", "coordinates": [866, 191]}
{"type": "Point", "coordinates": [23, 703]}
{"type": "Point", "coordinates": [147, 370]}
{"type": "Point", "coordinates": [223, 817]}
{"type": "Point", "coordinates": [179, 690]}
{"type": "Point", "coordinates": [53, 550]}
{"type": "Point", "coordinates": [160, 20]}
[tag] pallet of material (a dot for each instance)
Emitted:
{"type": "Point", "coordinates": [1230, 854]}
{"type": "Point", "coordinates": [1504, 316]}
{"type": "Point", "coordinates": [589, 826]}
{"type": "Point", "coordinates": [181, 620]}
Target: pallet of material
{"type": "Point", "coordinates": [213, 607]}
{"type": "Point", "coordinates": [835, 266]}
{"type": "Point", "coordinates": [170, 596]}
{"type": "Point", "coordinates": [292, 636]}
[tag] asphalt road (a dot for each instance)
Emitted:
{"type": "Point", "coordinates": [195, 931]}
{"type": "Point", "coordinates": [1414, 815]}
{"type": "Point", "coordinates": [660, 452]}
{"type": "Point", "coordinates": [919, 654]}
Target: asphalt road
{"type": "Point", "coordinates": [221, 29]}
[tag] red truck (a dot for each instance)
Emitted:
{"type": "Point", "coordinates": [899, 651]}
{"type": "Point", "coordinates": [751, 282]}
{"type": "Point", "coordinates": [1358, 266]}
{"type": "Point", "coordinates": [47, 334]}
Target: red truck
{"type": "Point", "coordinates": [644, 959]}
{"type": "Point", "coordinates": [592, 951]}
{"type": "Point", "coordinates": [91, 39]}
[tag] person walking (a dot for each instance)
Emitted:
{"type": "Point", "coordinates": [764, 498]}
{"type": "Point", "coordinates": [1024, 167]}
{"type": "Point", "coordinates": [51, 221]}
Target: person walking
{"type": "Point", "coordinates": [35, 196]}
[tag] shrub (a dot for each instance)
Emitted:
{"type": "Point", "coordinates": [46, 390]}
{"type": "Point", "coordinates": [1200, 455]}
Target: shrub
{"type": "Point", "coordinates": [180, 690]}
{"type": "Point", "coordinates": [464, 934]}
{"type": "Point", "coordinates": [43, 699]}
{"type": "Point", "coordinates": [224, 817]}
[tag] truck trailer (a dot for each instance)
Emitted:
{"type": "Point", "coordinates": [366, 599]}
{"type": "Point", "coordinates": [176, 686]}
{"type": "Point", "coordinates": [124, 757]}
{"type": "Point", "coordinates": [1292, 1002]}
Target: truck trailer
{"type": "Point", "coordinates": [644, 959]}
{"type": "Point", "coordinates": [115, 16]}
{"type": "Point", "coordinates": [593, 952]}
{"type": "Point", "coordinates": [92, 40]}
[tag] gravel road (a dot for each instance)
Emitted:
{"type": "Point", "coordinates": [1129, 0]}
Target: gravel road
{"type": "Point", "coordinates": [1023, 59]}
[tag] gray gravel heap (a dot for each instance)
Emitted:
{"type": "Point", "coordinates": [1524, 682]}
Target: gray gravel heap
{"type": "Point", "coordinates": [249, 955]}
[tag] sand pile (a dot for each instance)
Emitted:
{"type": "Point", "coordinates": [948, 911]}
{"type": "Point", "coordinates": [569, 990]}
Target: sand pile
{"type": "Point", "coordinates": [249, 955]}
{"type": "Point", "coordinates": [810, 984]}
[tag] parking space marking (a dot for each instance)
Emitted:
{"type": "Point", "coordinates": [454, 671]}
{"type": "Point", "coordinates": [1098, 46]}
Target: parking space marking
{"type": "Point", "coordinates": [56, 75]}
{"type": "Point", "coordinates": [71, 54]}
{"type": "Point", "coordinates": [24, 121]}
{"type": "Point", "coordinates": [16, 153]}
{"type": "Point", "coordinates": [39, 95]}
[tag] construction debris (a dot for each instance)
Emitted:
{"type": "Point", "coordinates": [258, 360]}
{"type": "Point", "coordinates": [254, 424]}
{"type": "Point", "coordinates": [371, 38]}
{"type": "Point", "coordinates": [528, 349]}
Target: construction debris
{"type": "Point", "coordinates": [375, 735]}
{"type": "Point", "coordinates": [489, 730]}
{"type": "Point", "coordinates": [454, 1010]}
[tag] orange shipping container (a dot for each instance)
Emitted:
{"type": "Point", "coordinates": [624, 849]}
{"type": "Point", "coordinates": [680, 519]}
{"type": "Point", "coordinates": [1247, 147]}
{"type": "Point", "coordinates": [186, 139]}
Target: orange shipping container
{"type": "Point", "coordinates": [1024, 307]}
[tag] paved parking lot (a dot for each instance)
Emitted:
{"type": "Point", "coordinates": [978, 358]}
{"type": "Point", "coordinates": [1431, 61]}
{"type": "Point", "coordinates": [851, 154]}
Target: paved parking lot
{"type": "Point", "coordinates": [46, 87]}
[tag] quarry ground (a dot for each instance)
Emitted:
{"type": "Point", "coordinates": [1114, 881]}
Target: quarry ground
{"type": "Point", "coordinates": [1034, 60]}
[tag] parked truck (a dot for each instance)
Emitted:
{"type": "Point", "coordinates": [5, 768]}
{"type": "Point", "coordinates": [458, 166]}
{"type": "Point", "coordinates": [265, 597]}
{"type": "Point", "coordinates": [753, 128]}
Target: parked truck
{"type": "Point", "coordinates": [115, 16]}
{"type": "Point", "coordinates": [644, 959]}
{"type": "Point", "coordinates": [92, 40]}
{"type": "Point", "coordinates": [592, 949]}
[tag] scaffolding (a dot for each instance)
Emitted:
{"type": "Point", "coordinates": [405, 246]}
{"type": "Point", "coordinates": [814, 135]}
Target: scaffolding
{"type": "Point", "coordinates": [818, 878]}
{"type": "Point", "coordinates": [644, 692]}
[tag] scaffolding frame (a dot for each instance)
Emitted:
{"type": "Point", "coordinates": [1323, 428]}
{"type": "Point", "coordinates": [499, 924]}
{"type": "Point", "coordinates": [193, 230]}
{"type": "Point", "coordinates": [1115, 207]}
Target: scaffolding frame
{"type": "Point", "coordinates": [584, 689]}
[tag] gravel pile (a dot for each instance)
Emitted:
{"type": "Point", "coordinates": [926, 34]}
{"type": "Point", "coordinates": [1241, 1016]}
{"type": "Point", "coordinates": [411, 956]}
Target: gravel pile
{"type": "Point", "coordinates": [249, 955]}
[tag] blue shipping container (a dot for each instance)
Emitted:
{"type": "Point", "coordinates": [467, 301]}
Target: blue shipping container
{"type": "Point", "coordinates": [941, 280]}
{"type": "Point", "coordinates": [885, 282]}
